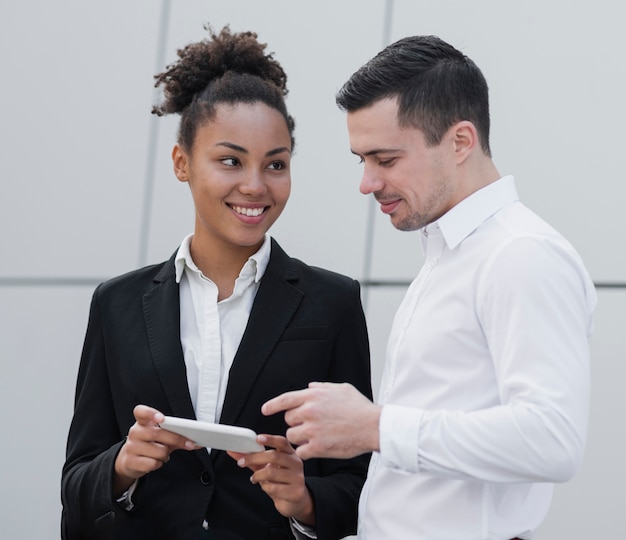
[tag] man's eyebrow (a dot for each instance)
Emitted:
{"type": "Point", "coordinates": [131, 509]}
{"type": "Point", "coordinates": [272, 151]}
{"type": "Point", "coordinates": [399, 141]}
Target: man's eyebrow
{"type": "Point", "coordinates": [241, 149]}
{"type": "Point", "coordinates": [377, 151]}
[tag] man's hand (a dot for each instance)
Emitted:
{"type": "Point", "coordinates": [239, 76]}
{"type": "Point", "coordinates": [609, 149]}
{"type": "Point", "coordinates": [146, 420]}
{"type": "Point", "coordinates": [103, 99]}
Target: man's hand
{"type": "Point", "coordinates": [280, 473]}
{"type": "Point", "coordinates": [146, 449]}
{"type": "Point", "coordinates": [328, 420]}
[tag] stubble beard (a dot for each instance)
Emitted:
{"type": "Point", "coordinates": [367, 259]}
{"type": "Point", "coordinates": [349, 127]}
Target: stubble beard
{"type": "Point", "coordinates": [434, 207]}
{"type": "Point", "coordinates": [413, 222]}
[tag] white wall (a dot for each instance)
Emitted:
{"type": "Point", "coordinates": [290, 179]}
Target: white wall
{"type": "Point", "coordinates": [76, 95]}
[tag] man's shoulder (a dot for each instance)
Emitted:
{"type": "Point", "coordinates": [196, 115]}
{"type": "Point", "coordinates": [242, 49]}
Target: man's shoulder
{"type": "Point", "coordinates": [514, 222]}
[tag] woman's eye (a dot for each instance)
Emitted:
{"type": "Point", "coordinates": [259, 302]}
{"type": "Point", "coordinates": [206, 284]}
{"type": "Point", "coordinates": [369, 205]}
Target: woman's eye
{"type": "Point", "coordinates": [387, 162]}
{"type": "Point", "coordinates": [277, 165]}
{"type": "Point", "coordinates": [230, 161]}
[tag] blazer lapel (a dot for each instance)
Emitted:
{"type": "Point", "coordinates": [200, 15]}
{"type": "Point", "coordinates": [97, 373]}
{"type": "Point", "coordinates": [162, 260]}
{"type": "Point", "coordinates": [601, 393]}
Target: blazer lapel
{"type": "Point", "coordinates": [161, 308]}
{"type": "Point", "coordinates": [265, 326]}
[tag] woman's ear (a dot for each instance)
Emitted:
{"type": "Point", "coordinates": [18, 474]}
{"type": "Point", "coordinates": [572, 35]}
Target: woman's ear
{"type": "Point", "coordinates": [465, 140]}
{"type": "Point", "coordinates": [181, 163]}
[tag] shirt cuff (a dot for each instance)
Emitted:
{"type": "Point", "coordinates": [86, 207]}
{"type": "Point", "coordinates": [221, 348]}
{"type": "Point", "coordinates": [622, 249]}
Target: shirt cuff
{"type": "Point", "coordinates": [125, 500]}
{"type": "Point", "coordinates": [301, 531]}
{"type": "Point", "coordinates": [399, 437]}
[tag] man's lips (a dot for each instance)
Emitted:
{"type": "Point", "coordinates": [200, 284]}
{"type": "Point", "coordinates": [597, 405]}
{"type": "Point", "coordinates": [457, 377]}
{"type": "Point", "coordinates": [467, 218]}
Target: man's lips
{"type": "Point", "coordinates": [387, 207]}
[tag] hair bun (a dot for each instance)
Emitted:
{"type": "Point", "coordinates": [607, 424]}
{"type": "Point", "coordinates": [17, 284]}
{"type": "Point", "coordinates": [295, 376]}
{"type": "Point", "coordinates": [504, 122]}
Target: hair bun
{"type": "Point", "coordinates": [200, 63]}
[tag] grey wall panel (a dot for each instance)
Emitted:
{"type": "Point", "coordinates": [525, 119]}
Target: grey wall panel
{"type": "Point", "coordinates": [74, 132]}
{"type": "Point", "coordinates": [40, 343]}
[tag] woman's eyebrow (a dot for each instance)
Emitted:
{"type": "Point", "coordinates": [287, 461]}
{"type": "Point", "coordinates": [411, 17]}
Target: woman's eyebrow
{"type": "Point", "coordinates": [241, 149]}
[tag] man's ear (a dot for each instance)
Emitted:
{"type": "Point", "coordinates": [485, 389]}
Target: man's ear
{"type": "Point", "coordinates": [465, 138]}
{"type": "Point", "coordinates": [180, 159]}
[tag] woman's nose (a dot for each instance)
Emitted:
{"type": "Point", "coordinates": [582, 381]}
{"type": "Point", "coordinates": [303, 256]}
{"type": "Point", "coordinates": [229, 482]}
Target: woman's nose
{"type": "Point", "coordinates": [253, 184]}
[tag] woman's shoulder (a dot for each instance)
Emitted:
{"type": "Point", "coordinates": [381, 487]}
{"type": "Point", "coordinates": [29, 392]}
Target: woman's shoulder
{"type": "Point", "coordinates": [324, 274]}
{"type": "Point", "coordinates": [311, 273]}
{"type": "Point", "coordinates": [137, 280]}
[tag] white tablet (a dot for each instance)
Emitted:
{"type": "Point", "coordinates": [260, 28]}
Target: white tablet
{"type": "Point", "coordinates": [217, 436]}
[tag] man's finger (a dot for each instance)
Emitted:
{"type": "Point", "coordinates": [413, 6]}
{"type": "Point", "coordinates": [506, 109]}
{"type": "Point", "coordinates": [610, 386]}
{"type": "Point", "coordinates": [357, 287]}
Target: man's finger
{"type": "Point", "coordinates": [296, 437]}
{"type": "Point", "coordinates": [304, 452]}
{"type": "Point", "coordinates": [284, 402]}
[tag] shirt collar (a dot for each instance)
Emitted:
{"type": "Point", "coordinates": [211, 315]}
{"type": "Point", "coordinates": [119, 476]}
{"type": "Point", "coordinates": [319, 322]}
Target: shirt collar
{"type": "Point", "coordinates": [256, 264]}
{"type": "Point", "coordinates": [464, 218]}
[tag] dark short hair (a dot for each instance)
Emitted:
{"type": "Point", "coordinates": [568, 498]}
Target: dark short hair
{"type": "Point", "coordinates": [435, 84]}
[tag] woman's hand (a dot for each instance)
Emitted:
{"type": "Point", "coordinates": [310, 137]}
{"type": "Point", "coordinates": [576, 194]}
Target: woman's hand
{"type": "Point", "coordinates": [280, 473]}
{"type": "Point", "coordinates": [146, 449]}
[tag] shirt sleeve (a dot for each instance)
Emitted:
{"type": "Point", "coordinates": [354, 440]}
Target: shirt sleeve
{"type": "Point", "coordinates": [399, 437]}
{"type": "Point", "coordinates": [126, 499]}
{"type": "Point", "coordinates": [301, 531]}
{"type": "Point", "coordinates": [535, 307]}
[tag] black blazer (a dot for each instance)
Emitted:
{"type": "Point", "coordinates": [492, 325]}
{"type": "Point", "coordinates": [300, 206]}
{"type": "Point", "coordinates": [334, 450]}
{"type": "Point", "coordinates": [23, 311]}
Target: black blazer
{"type": "Point", "coordinates": [306, 324]}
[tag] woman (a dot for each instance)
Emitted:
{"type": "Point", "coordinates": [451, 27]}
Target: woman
{"type": "Point", "coordinates": [228, 322]}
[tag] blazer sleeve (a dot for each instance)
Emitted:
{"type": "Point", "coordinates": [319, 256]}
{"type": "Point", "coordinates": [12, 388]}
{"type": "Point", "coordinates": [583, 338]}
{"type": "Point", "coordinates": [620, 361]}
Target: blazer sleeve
{"type": "Point", "coordinates": [86, 480]}
{"type": "Point", "coordinates": [337, 487]}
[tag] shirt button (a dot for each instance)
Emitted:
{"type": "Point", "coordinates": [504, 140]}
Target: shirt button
{"type": "Point", "coordinates": [205, 478]}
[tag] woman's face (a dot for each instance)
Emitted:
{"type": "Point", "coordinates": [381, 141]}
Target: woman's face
{"type": "Point", "coordinates": [238, 171]}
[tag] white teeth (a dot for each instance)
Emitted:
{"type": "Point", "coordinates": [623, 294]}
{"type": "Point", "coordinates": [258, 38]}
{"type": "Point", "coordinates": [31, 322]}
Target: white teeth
{"type": "Point", "coordinates": [249, 211]}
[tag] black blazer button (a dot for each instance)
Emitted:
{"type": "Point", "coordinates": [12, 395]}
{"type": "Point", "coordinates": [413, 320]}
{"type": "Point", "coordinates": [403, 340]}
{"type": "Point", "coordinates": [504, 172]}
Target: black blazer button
{"type": "Point", "coordinates": [205, 478]}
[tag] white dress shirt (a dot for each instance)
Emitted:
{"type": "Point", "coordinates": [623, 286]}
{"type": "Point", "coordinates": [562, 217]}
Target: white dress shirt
{"type": "Point", "coordinates": [210, 331]}
{"type": "Point", "coordinates": [485, 391]}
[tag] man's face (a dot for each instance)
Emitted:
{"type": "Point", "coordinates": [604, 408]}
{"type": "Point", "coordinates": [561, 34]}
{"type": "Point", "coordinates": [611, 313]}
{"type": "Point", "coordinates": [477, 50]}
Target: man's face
{"type": "Point", "coordinates": [413, 183]}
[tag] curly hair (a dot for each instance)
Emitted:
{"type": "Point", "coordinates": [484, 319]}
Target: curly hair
{"type": "Point", "coordinates": [225, 68]}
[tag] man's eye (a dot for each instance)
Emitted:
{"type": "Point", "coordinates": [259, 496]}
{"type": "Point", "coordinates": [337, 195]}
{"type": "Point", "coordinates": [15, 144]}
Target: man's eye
{"type": "Point", "coordinates": [387, 162]}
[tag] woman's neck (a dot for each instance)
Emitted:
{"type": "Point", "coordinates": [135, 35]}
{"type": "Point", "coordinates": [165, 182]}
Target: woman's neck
{"type": "Point", "coordinates": [221, 264]}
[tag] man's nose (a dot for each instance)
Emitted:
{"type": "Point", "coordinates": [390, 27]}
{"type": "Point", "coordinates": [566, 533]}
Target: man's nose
{"type": "Point", "coordinates": [370, 183]}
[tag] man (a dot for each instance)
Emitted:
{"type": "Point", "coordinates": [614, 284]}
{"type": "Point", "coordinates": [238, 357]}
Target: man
{"type": "Point", "coordinates": [484, 399]}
